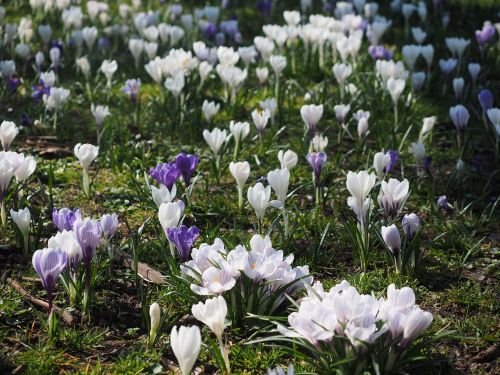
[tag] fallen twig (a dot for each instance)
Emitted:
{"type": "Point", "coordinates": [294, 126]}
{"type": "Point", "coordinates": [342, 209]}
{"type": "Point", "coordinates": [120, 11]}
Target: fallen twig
{"type": "Point", "coordinates": [66, 316]}
{"type": "Point", "coordinates": [144, 271]}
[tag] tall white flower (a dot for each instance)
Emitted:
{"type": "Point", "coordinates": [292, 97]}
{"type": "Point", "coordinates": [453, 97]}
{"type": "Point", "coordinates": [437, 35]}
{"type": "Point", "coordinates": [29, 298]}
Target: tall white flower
{"type": "Point", "coordinates": [154, 317]}
{"type": "Point", "coordinates": [278, 63]}
{"type": "Point", "coordinates": [360, 184]}
{"type": "Point", "coordinates": [279, 180]}
{"type": "Point", "coordinates": [287, 159]}
{"type": "Point", "coordinates": [170, 214]}
{"type": "Point", "coordinates": [86, 153]}
{"type": "Point", "coordinates": [162, 194]}
{"type": "Point", "coordinates": [210, 109]}
{"type": "Point", "coordinates": [213, 313]}
{"type": "Point", "coordinates": [417, 149]}
{"type": "Point", "coordinates": [175, 84]}
{"type": "Point", "coordinates": [109, 68]}
{"type": "Point", "coordinates": [393, 196]}
{"type": "Point", "coordinates": [311, 114]}
{"type": "Point", "coordinates": [57, 98]}
{"type": "Point", "coordinates": [260, 119]}
{"type": "Point", "coordinates": [380, 160]}
{"type": "Point", "coordinates": [395, 88]}
{"type": "Point", "coordinates": [258, 197]}
{"type": "Point", "coordinates": [240, 171]}
{"type": "Point", "coordinates": [239, 130]}
{"type": "Point", "coordinates": [8, 131]}
{"type": "Point", "coordinates": [215, 139]}
{"type": "Point", "coordinates": [22, 218]}
{"type": "Point", "coordinates": [186, 343]}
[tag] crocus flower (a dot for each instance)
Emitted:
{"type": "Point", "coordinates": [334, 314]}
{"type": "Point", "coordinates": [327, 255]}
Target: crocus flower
{"type": "Point", "coordinates": [170, 214]}
{"type": "Point", "coordinates": [258, 197]}
{"type": "Point", "coordinates": [317, 161]}
{"type": "Point", "coordinates": [240, 171]}
{"type": "Point", "coordinates": [394, 155]}
{"type": "Point", "coordinates": [109, 224]}
{"type": "Point", "coordinates": [393, 195]}
{"type": "Point", "coordinates": [40, 90]}
{"type": "Point", "coordinates": [166, 174]}
{"type": "Point", "coordinates": [8, 131]}
{"type": "Point", "coordinates": [131, 88]}
{"type": "Point", "coordinates": [460, 117]}
{"type": "Point", "coordinates": [442, 202]}
{"type": "Point", "coordinates": [88, 234]}
{"type": "Point", "coordinates": [183, 238]}
{"type": "Point", "coordinates": [311, 114]}
{"type": "Point", "coordinates": [66, 241]}
{"type": "Point", "coordinates": [12, 84]}
{"type": "Point", "coordinates": [213, 313]}
{"type": "Point", "coordinates": [392, 238]}
{"type": "Point", "coordinates": [485, 98]}
{"type": "Point", "coordinates": [380, 53]}
{"type": "Point", "coordinates": [48, 264]}
{"type": "Point", "coordinates": [484, 35]}
{"type": "Point", "coordinates": [65, 218]}
{"type": "Point", "coordinates": [411, 225]}
{"type": "Point", "coordinates": [187, 164]}
{"type": "Point", "coordinates": [186, 343]}
{"type": "Point", "coordinates": [288, 159]}
{"type": "Point", "coordinates": [154, 317]}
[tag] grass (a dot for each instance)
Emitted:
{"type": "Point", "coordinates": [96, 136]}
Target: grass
{"type": "Point", "coordinates": [458, 280]}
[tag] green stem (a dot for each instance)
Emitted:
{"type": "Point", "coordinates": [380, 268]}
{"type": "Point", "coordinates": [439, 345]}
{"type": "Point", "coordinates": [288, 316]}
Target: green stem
{"type": "Point", "coordinates": [3, 214]}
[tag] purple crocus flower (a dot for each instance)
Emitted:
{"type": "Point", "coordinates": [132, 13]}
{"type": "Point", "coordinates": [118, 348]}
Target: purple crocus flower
{"type": "Point", "coordinates": [380, 53]}
{"type": "Point", "coordinates": [447, 66]}
{"type": "Point", "coordinates": [187, 164]}
{"type": "Point", "coordinates": [229, 27]}
{"type": "Point", "coordinates": [442, 202]}
{"type": "Point", "coordinates": [109, 224]}
{"type": "Point", "coordinates": [220, 39]}
{"type": "Point", "coordinates": [265, 7]}
{"type": "Point", "coordinates": [165, 174]}
{"type": "Point", "coordinates": [131, 88]}
{"type": "Point", "coordinates": [57, 44]}
{"type": "Point", "coordinates": [460, 117]}
{"type": "Point", "coordinates": [411, 225]}
{"type": "Point", "coordinates": [64, 218]}
{"type": "Point", "coordinates": [183, 238]}
{"type": "Point", "coordinates": [393, 159]}
{"type": "Point", "coordinates": [209, 30]}
{"type": "Point", "coordinates": [12, 84]}
{"type": "Point", "coordinates": [40, 90]}
{"type": "Point", "coordinates": [88, 234]}
{"type": "Point", "coordinates": [48, 264]}
{"type": "Point", "coordinates": [317, 161]}
{"type": "Point", "coordinates": [103, 43]}
{"type": "Point", "coordinates": [485, 98]}
{"type": "Point", "coordinates": [484, 35]}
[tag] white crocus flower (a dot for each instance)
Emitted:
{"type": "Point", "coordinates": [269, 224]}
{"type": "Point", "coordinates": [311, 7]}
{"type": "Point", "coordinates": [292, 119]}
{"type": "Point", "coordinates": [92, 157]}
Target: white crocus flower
{"type": "Point", "coordinates": [215, 139]}
{"type": "Point", "coordinates": [170, 214]}
{"type": "Point", "coordinates": [109, 68]}
{"type": "Point", "coordinates": [287, 159]}
{"type": "Point", "coordinates": [186, 343]}
{"type": "Point", "coordinates": [240, 171]}
{"type": "Point", "coordinates": [86, 153]}
{"type": "Point", "coordinates": [8, 131]}
{"type": "Point", "coordinates": [162, 194]}
{"type": "Point", "coordinates": [258, 197]}
{"type": "Point", "coordinates": [210, 109]}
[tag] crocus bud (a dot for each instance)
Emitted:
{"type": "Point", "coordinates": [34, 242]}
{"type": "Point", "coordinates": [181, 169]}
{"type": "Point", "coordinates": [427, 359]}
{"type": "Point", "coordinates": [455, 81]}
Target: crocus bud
{"type": "Point", "coordinates": [411, 225]}
{"type": "Point", "coordinates": [185, 343]}
{"type": "Point", "coordinates": [8, 131]}
{"type": "Point", "coordinates": [258, 197]}
{"type": "Point", "coordinates": [240, 171]}
{"type": "Point", "coordinates": [22, 218]}
{"type": "Point", "coordinates": [154, 316]}
{"type": "Point", "coordinates": [392, 238]}
{"type": "Point", "coordinates": [287, 159]}
{"type": "Point", "coordinates": [109, 224]}
{"type": "Point", "coordinates": [311, 114]}
{"type": "Point", "coordinates": [460, 117]}
{"type": "Point", "coordinates": [458, 87]}
{"type": "Point", "coordinates": [279, 180]}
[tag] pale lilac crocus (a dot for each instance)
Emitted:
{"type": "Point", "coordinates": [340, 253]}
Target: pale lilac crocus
{"type": "Point", "coordinates": [64, 218]}
{"type": "Point", "coordinates": [48, 264]}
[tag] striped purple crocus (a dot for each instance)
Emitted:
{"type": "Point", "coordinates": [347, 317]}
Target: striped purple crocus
{"type": "Point", "coordinates": [48, 264]}
{"type": "Point", "coordinates": [187, 164]}
{"type": "Point", "coordinates": [317, 161]}
{"type": "Point", "coordinates": [166, 174]}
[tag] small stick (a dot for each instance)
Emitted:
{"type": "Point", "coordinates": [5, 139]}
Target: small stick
{"type": "Point", "coordinates": [66, 316]}
{"type": "Point", "coordinates": [145, 271]}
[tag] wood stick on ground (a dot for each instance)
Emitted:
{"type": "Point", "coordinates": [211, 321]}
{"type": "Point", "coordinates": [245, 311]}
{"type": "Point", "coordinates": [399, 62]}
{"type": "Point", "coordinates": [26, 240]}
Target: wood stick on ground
{"type": "Point", "coordinates": [66, 316]}
{"type": "Point", "coordinates": [144, 271]}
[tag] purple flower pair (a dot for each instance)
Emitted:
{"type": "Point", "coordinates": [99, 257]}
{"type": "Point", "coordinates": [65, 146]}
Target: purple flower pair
{"type": "Point", "coordinates": [168, 173]}
{"type": "Point", "coordinates": [380, 53]}
{"type": "Point", "coordinates": [183, 239]}
{"type": "Point", "coordinates": [65, 218]}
